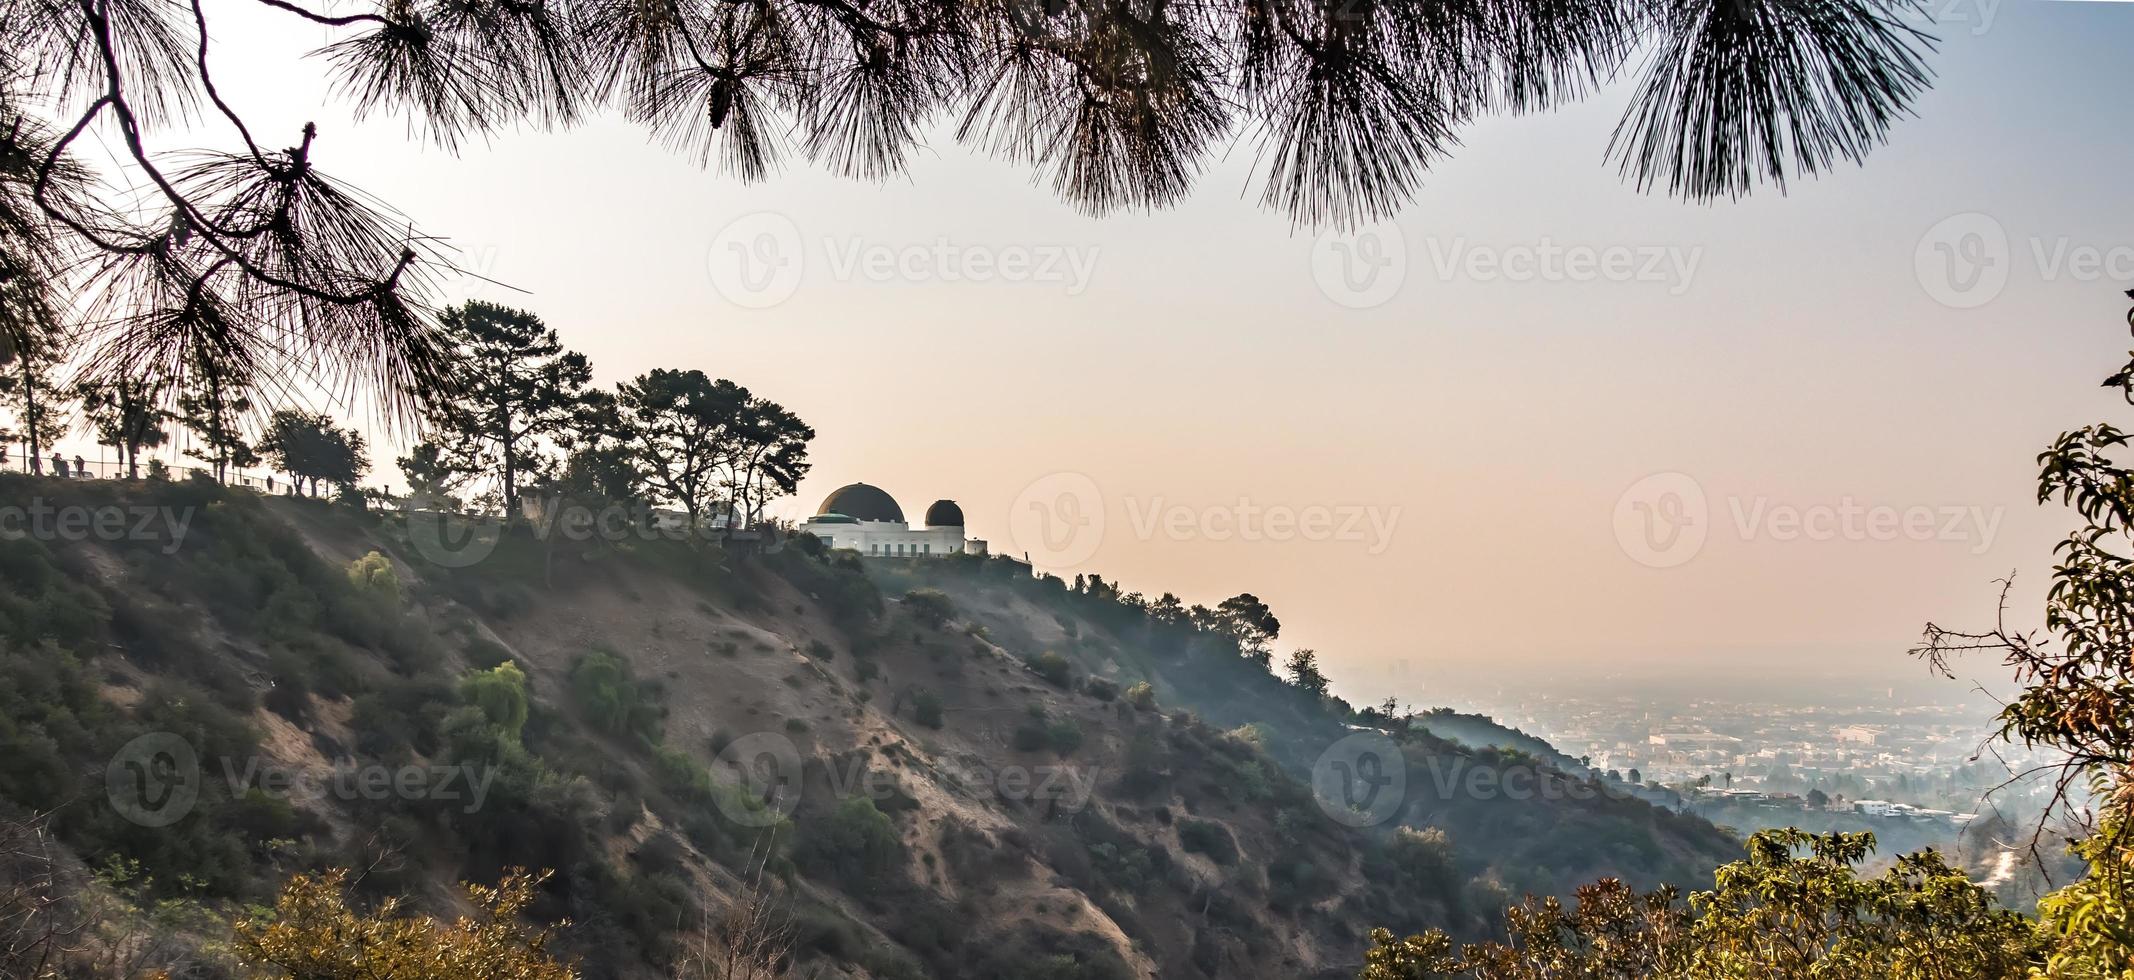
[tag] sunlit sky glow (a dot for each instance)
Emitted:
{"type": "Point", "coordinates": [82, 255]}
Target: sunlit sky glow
{"type": "Point", "coordinates": [1495, 423]}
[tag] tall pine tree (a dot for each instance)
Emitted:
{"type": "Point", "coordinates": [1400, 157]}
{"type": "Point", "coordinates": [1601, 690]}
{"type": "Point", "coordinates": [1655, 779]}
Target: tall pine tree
{"type": "Point", "coordinates": [516, 391]}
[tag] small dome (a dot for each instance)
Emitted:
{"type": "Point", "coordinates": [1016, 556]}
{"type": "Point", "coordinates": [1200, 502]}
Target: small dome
{"type": "Point", "coordinates": [862, 502]}
{"type": "Point", "coordinates": [944, 513]}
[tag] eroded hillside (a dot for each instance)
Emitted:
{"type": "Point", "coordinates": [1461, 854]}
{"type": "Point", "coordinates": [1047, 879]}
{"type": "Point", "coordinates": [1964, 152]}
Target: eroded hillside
{"type": "Point", "coordinates": [940, 768]}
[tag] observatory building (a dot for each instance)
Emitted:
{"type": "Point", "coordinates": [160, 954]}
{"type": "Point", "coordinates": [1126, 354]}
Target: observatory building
{"type": "Point", "coordinates": [864, 518]}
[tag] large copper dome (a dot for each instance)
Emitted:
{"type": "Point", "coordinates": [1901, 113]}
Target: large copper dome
{"type": "Point", "coordinates": [860, 501]}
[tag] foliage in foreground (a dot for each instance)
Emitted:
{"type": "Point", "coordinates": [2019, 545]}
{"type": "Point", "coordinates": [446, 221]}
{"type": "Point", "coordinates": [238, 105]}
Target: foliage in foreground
{"type": "Point", "coordinates": [1795, 908]}
{"type": "Point", "coordinates": [314, 935]}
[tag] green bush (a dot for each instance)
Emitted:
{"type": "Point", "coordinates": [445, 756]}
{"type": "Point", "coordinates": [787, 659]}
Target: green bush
{"type": "Point", "coordinates": [1063, 736]}
{"type": "Point", "coordinates": [613, 700]}
{"type": "Point", "coordinates": [373, 575]}
{"type": "Point", "coordinates": [1053, 668]}
{"type": "Point", "coordinates": [926, 708]}
{"type": "Point", "coordinates": [855, 844]}
{"type": "Point", "coordinates": [501, 694]}
{"type": "Point", "coordinates": [929, 606]}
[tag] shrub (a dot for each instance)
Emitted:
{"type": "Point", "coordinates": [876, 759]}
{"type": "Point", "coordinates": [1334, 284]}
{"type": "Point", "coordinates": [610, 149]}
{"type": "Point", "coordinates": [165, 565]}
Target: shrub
{"type": "Point", "coordinates": [1053, 668]}
{"type": "Point", "coordinates": [929, 606]}
{"type": "Point", "coordinates": [314, 933]}
{"type": "Point", "coordinates": [1208, 838]}
{"type": "Point", "coordinates": [926, 708]}
{"type": "Point", "coordinates": [484, 653]}
{"type": "Point", "coordinates": [1141, 696]}
{"type": "Point", "coordinates": [1064, 736]}
{"type": "Point", "coordinates": [373, 575]}
{"type": "Point", "coordinates": [855, 844]}
{"type": "Point", "coordinates": [612, 699]}
{"type": "Point", "coordinates": [501, 694]}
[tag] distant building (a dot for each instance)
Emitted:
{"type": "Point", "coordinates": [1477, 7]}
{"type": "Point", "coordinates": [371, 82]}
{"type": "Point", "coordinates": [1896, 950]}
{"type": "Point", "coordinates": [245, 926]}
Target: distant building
{"type": "Point", "coordinates": [1857, 734]}
{"type": "Point", "coordinates": [863, 518]}
{"type": "Point", "coordinates": [1692, 740]}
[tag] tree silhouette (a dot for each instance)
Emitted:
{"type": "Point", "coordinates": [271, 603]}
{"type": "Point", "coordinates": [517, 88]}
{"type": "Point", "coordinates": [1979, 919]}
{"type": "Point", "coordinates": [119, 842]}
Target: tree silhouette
{"type": "Point", "coordinates": [125, 415]}
{"type": "Point", "coordinates": [256, 253]}
{"type": "Point", "coordinates": [515, 389]}
{"type": "Point", "coordinates": [313, 450]}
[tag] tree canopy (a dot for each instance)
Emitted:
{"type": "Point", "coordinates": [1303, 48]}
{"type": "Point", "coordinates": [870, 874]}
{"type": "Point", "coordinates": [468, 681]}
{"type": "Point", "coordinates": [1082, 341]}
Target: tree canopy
{"type": "Point", "coordinates": [253, 255]}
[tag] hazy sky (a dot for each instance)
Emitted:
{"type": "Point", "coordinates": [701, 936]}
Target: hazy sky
{"type": "Point", "coordinates": [1784, 354]}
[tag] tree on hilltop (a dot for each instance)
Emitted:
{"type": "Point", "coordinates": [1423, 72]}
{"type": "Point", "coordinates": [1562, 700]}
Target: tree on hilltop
{"type": "Point", "coordinates": [515, 391]}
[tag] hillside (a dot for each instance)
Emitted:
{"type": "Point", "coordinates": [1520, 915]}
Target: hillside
{"type": "Point", "coordinates": [674, 729]}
